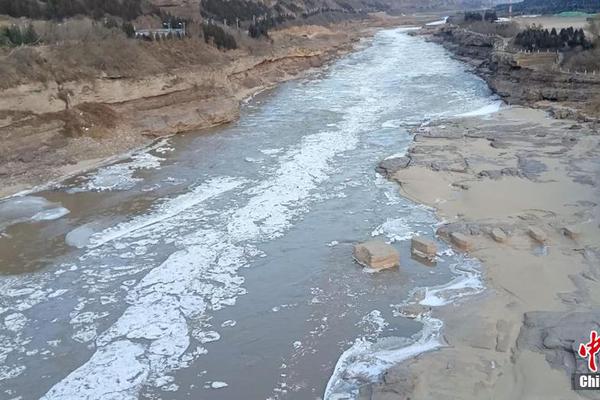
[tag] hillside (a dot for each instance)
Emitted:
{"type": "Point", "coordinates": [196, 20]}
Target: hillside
{"type": "Point", "coordinates": [77, 85]}
{"type": "Point", "coordinates": [553, 6]}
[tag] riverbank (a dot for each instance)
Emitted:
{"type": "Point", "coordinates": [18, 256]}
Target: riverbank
{"type": "Point", "coordinates": [53, 130]}
{"type": "Point", "coordinates": [523, 189]}
{"type": "Point", "coordinates": [534, 80]}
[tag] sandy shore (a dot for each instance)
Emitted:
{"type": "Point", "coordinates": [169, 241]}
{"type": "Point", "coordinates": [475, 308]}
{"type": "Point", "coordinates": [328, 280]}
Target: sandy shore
{"type": "Point", "coordinates": [509, 171]}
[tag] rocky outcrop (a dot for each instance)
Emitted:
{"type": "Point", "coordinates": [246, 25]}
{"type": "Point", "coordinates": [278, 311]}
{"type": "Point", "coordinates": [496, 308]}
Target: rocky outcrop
{"type": "Point", "coordinates": [558, 335]}
{"type": "Point", "coordinates": [517, 81]}
{"type": "Point", "coordinates": [389, 166]}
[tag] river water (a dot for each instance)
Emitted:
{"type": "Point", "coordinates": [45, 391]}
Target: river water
{"type": "Point", "coordinates": [217, 265]}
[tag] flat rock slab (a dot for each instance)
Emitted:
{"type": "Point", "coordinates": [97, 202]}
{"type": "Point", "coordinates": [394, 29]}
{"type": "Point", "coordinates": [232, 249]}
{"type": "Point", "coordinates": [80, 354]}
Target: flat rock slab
{"type": "Point", "coordinates": [537, 234]}
{"type": "Point", "coordinates": [376, 254]}
{"type": "Point", "coordinates": [572, 232]}
{"type": "Point", "coordinates": [424, 246]}
{"type": "Point", "coordinates": [499, 235]}
{"type": "Point", "coordinates": [461, 241]}
{"type": "Point", "coordinates": [557, 335]}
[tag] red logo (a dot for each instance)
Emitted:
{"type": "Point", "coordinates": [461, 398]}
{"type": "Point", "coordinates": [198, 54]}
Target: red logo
{"type": "Point", "coordinates": [590, 349]}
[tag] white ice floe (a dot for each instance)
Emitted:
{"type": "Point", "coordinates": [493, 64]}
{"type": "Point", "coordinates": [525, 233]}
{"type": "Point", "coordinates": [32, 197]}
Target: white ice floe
{"type": "Point", "coordinates": [16, 210]}
{"type": "Point", "coordinates": [49, 215]}
{"type": "Point", "coordinates": [365, 361]}
{"type": "Point", "coordinates": [15, 322]}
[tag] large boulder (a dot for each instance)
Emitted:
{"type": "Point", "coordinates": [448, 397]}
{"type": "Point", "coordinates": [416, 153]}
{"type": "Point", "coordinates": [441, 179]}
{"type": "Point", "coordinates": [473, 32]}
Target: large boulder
{"type": "Point", "coordinates": [392, 165]}
{"type": "Point", "coordinates": [537, 234]}
{"type": "Point", "coordinates": [423, 249]}
{"type": "Point", "coordinates": [376, 254]}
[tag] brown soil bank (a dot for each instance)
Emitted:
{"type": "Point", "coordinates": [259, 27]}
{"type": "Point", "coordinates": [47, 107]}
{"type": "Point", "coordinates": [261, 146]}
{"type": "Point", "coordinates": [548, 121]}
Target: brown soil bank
{"type": "Point", "coordinates": [63, 113]}
{"type": "Point", "coordinates": [523, 190]}
{"type": "Point", "coordinates": [532, 79]}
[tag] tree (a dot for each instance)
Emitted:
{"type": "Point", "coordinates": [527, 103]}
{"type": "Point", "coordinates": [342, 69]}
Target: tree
{"type": "Point", "coordinates": [14, 35]}
{"type": "Point", "coordinates": [129, 29]}
{"type": "Point", "coordinates": [30, 36]}
{"type": "Point", "coordinates": [490, 16]}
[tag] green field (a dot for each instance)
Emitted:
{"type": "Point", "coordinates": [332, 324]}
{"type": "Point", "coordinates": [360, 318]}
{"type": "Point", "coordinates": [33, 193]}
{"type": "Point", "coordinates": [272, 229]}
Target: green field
{"type": "Point", "coordinates": [575, 14]}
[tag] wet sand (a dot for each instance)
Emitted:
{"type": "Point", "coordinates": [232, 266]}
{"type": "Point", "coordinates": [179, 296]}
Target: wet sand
{"type": "Point", "coordinates": [512, 170]}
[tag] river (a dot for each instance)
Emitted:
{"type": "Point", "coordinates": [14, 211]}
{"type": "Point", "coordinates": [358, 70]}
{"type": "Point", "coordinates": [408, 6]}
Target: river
{"type": "Point", "coordinates": [217, 264]}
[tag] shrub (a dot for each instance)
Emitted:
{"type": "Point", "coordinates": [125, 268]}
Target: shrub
{"type": "Point", "coordinates": [220, 38]}
{"type": "Point", "coordinates": [16, 36]}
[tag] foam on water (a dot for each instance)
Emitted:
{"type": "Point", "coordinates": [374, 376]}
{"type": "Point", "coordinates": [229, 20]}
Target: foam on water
{"type": "Point", "coordinates": [203, 275]}
{"type": "Point", "coordinates": [163, 322]}
{"type": "Point", "coordinates": [485, 110]}
{"type": "Point", "coordinates": [120, 176]}
{"type": "Point", "coordinates": [466, 283]}
{"type": "Point", "coordinates": [169, 209]}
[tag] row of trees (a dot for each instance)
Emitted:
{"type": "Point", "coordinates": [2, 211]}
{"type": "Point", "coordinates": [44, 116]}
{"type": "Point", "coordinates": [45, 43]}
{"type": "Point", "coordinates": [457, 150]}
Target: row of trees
{"type": "Point", "coordinates": [17, 36]}
{"type": "Point", "coordinates": [60, 9]}
{"type": "Point", "coordinates": [536, 38]}
{"type": "Point", "coordinates": [551, 6]}
{"type": "Point", "coordinates": [262, 26]}
{"type": "Point", "coordinates": [475, 16]}
{"type": "Point", "coordinates": [232, 9]}
{"type": "Point", "coordinates": [218, 36]}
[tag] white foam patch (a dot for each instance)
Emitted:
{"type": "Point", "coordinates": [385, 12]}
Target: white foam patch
{"type": "Point", "coordinates": [393, 123]}
{"type": "Point", "coordinates": [268, 213]}
{"type": "Point", "coordinates": [468, 282]}
{"type": "Point", "coordinates": [365, 361]}
{"type": "Point", "coordinates": [120, 176]}
{"type": "Point", "coordinates": [485, 110]}
{"type": "Point", "coordinates": [271, 152]}
{"type": "Point", "coordinates": [395, 230]}
{"type": "Point", "coordinates": [373, 323]}
{"type": "Point", "coordinates": [202, 276]}
{"type": "Point", "coordinates": [169, 209]}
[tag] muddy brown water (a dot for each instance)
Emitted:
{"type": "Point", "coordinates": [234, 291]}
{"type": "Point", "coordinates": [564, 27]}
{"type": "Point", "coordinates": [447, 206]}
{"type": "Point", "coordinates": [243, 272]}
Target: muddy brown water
{"type": "Point", "coordinates": [217, 265]}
